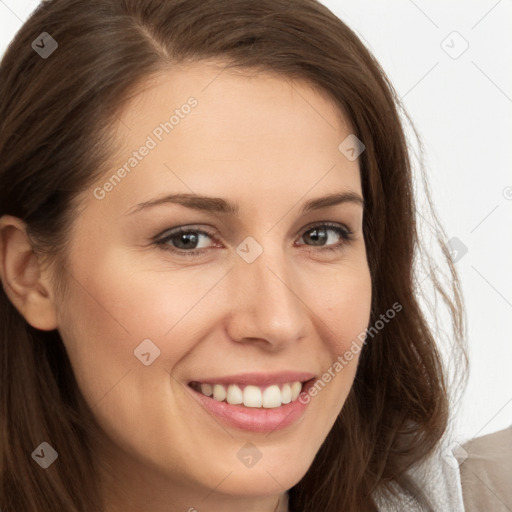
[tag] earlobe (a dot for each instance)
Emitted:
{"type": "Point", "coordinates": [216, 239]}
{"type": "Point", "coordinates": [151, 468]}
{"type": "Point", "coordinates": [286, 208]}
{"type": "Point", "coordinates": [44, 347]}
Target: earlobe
{"type": "Point", "coordinates": [23, 279]}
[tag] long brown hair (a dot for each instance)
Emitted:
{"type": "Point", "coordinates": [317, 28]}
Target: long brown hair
{"type": "Point", "coordinates": [57, 117]}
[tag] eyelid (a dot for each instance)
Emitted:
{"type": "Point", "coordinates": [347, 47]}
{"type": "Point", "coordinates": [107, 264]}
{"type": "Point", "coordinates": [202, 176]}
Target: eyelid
{"type": "Point", "coordinates": [161, 240]}
{"type": "Point", "coordinates": [163, 237]}
{"type": "Point", "coordinates": [213, 232]}
{"type": "Point", "coordinates": [328, 223]}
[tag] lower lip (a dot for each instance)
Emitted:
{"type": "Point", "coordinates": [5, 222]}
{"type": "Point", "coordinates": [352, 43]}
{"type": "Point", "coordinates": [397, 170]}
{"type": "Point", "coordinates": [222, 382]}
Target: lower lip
{"type": "Point", "coordinates": [254, 419]}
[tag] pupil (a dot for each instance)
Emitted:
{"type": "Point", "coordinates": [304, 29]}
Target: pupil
{"type": "Point", "coordinates": [187, 238]}
{"type": "Point", "coordinates": [318, 235]}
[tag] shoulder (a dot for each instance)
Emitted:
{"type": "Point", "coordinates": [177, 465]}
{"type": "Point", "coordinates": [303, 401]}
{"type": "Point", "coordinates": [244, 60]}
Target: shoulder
{"type": "Point", "coordinates": [433, 485]}
{"type": "Point", "coordinates": [486, 472]}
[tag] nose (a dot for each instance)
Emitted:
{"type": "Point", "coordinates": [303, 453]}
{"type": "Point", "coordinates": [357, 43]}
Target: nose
{"type": "Point", "coordinates": [267, 303]}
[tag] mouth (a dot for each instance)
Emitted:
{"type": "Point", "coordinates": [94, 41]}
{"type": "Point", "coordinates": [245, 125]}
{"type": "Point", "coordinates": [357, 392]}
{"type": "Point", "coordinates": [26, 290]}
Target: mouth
{"type": "Point", "coordinates": [254, 403]}
{"type": "Point", "coordinates": [268, 397]}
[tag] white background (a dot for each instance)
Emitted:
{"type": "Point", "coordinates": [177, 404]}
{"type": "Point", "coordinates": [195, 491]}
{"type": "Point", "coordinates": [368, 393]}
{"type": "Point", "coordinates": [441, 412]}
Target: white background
{"type": "Point", "coordinates": [462, 108]}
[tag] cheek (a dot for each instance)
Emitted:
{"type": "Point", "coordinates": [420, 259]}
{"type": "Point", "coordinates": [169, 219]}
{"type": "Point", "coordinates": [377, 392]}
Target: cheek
{"type": "Point", "coordinates": [110, 310]}
{"type": "Point", "coordinates": [344, 307]}
{"type": "Point", "coordinates": [113, 306]}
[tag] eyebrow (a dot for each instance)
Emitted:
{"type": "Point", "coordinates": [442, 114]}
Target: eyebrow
{"type": "Point", "coordinates": [219, 205]}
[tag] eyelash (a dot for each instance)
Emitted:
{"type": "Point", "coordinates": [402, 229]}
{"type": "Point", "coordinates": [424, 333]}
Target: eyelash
{"type": "Point", "coordinates": [162, 243]}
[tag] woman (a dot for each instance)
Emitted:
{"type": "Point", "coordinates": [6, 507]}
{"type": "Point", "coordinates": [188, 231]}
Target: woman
{"type": "Point", "coordinates": [207, 238]}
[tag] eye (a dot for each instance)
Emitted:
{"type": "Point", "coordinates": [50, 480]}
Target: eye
{"type": "Point", "coordinates": [190, 242]}
{"type": "Point", "coordinates": [319, 235]}
{"type": "Point", "coordinates": [180, 240]}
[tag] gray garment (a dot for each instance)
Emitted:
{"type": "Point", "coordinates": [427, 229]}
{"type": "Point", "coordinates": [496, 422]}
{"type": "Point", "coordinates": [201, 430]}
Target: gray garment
{"type": "Point", "coordinates": [438, 478]}
{"type": "Point", "coordinates": [476, 477]}
{"type": "Point", "coordinates": [486, 472]}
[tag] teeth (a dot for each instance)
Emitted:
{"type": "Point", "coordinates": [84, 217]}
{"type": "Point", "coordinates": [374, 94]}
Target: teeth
{"type": "Point", "coordinates": [253, 396]}
{"type": "Point", "coordinates": [219, 392]}
{"type": "Point", "coordinates": [234, 395]}
{"type": "Point", "coordinates": [207, 389]}
{"type": "Point", "coordinates": [286, 394]}
{"type": "Point", "coordinates": [296, 387]}
{"type": "Point", "coordinates": [272, 397]}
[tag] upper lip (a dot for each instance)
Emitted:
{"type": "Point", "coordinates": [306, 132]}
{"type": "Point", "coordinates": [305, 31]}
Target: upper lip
{"type": "Point", "coordinates": [259, 379]}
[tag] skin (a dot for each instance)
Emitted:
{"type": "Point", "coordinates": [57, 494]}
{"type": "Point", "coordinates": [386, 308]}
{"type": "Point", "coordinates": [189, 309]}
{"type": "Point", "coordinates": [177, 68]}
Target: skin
{"type": "Point", "coordinates": [269, 145]}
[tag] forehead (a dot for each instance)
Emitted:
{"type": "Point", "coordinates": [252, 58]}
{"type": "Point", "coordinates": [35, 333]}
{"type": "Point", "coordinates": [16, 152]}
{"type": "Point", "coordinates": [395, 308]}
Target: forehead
{"type": "Point", "coordinates": [211, 129]}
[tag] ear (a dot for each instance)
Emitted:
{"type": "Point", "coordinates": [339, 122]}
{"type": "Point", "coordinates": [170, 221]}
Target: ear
{"type": "Point", "coordinates": [24, 281]}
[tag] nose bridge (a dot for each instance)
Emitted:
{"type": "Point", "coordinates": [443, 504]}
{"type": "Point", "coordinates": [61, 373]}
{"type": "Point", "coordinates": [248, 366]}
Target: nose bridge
{"type": "Point", "coordinates": [265, 304]}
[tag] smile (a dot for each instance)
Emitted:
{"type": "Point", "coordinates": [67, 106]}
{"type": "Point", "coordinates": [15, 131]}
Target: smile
{"type": "Point", "coordinates": [253, 402]}
{"type": "Point", "coordinates": [267, 397]}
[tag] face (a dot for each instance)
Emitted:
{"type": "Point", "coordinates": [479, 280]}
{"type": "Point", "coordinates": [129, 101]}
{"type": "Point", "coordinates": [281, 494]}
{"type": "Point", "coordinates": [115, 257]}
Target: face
{"type": "Point", "coordinates": [169, 292]}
